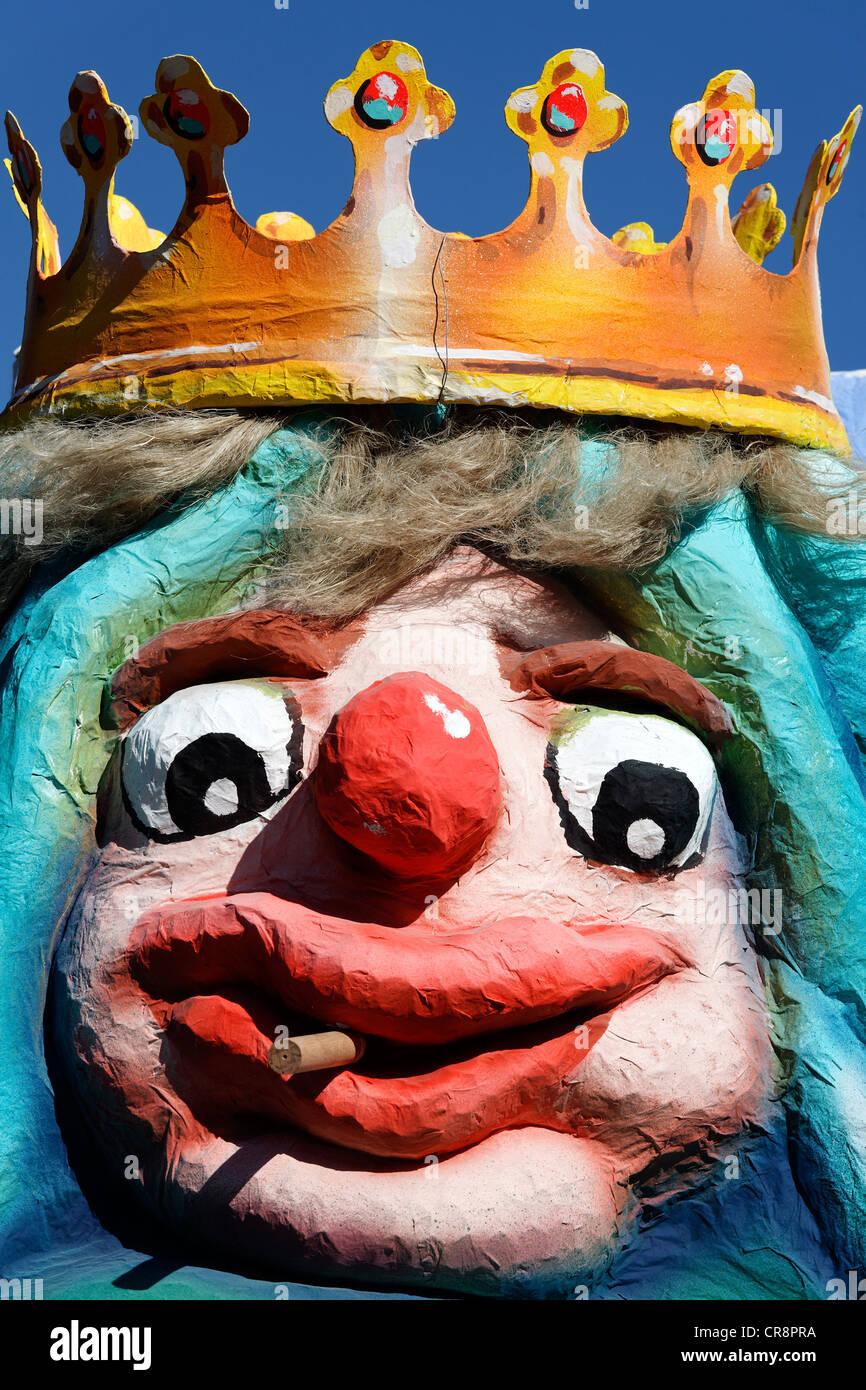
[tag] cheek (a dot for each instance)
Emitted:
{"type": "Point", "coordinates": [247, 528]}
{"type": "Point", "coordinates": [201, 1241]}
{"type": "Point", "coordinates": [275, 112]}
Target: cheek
{"type": "Point", "coordinates": [527, 861]}
{"type": "Point", "coordinates": [107, 1046]}
{"type": "Point", "coordinates": [101, 1028]}
{"type": "Point", "coordinates": [692, 1056]}
{"type": "Point", "coordinates": [134, 873]}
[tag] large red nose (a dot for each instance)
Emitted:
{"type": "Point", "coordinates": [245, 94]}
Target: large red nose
{"type": "Point", "coordinates": [408, 774]}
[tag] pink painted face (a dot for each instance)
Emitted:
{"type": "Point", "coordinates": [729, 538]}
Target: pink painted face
{"type": "Point", "coordinates": [506, 897]}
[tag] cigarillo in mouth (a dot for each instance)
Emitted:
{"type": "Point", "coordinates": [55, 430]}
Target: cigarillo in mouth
{"type": "Point", "coordinates": [315, 1052]}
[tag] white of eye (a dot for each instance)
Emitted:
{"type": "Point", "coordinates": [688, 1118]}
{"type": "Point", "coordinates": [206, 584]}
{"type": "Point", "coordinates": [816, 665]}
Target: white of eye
{"type": "Point", "coordinates": [250, 712]}
{"type": "Point", "coordinates": [584, 758]}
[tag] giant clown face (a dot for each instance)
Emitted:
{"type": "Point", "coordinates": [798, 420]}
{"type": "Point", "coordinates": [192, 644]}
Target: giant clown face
{"type": "Point", "coordinates": [415, 832]}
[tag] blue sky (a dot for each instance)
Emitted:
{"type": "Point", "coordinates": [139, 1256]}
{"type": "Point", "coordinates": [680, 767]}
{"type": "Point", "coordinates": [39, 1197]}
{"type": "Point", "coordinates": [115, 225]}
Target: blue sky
{"type": "Point", "coordinates": [805, 58]}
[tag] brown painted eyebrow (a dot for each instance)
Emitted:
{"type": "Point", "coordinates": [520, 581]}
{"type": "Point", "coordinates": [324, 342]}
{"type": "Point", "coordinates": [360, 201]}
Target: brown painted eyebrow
{"type": "Point", "coordinates": [562, 670]}
{"type": "Point", "coordinates": [274, 643]}
{"type": "Point", "coordinates": [263, 642]}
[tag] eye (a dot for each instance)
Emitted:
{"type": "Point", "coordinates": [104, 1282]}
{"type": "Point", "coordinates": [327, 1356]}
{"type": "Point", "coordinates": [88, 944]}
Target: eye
{"type": "Point", "coordinates": [634, 790]}
{"type": "Point", "coordinates": [209, 758]}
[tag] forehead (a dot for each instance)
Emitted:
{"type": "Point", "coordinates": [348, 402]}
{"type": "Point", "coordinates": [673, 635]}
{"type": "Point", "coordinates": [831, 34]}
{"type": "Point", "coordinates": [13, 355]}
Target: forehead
{"type": "Point", "coordinates": [467, 591]}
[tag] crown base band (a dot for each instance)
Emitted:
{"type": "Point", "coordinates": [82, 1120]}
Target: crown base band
{"type": "Point", "coordinates": [290, 383]}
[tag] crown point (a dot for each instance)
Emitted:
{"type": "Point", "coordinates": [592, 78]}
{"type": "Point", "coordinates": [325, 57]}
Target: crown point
{"type": "Point", "coordinates": [26, 174]}
{"type": "Point", "coordinates": [823, 180]}
{"type": "Point", "coordinates": [24, 167]}
{"type": "Point", "coordinates": [195, 119]}
{"type": "Point", "coordinates": [385, 107]}
{"type": "Point", "coordinates": [639, 237]}
{"type": "Point", "coordinates": [760, 223]}
{"type": "Point", "coordinates": [722, 134]}
{"type": "Point", "coordinates": [97, 134]}
{"type": "Point", "coordinates": [284, 226]}
{"type": "Point", "coordinates": [388, 91]}
{"type": "Point", "coordinates": [567, 112]}
{"type": "Point", "coordinates": [839, 152]}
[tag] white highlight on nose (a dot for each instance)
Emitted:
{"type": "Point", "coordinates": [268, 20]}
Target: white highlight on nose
{"type": "Point", "coordinates": [456, 723]}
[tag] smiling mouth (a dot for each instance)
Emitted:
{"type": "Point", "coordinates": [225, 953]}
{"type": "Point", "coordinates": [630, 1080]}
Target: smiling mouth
{"type": "Point", "coordinates": [466, 1032]}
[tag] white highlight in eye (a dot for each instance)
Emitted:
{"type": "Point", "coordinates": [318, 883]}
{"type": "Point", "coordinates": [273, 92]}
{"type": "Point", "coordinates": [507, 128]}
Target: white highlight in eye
{"type": "Point", "coordinates": [253, 713]}
{"type": "Point", "coordinates": [584, 758]}
{"type": "Point", "coordinates": [221, 798]}
{"type": "Point", "coordinates": [645, 839]}
{"type": "Point", "coordinates": [455, 721]}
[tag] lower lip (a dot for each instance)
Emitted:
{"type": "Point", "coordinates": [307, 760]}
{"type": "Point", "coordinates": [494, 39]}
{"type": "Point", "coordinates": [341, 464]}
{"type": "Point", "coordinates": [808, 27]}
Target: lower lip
{"type": "Point", "coordinates": [398, 1102]}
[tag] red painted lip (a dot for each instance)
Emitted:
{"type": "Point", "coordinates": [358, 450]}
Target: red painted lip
{"type": "Point", "coordinates": [222, 973]}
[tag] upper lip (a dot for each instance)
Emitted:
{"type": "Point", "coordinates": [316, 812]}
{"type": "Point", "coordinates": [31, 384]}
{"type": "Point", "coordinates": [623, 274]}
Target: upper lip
{"type": "Point", "coordinates": [406, 986]}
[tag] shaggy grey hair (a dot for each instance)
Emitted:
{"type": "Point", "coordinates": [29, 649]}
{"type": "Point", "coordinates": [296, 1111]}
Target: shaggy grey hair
{"type": "Point", "coordinates": [518, 486]}
{"type": "Point", "coordinates": [386, 501]}
{"type": "Point", "coordinates": [99, 481]}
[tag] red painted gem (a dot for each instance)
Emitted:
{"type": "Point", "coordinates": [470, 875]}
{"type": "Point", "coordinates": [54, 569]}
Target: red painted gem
{"type": "Point", "coordinates": [24, 168]}
{"type": "Point", "coordinates": [91, 133]}
{"type": "Point", "coordinates": [565, 109]}
{"type": "Point", "coordinates": [408, 775]}
{"type": "Point", "coordinates": [836, 161]}
{"type": "Point", "coordinates": [382, 101]}
{"type": "Point", "coordinates": [716, 136]}
{"type": "Point", "coordinates": [187, 114]}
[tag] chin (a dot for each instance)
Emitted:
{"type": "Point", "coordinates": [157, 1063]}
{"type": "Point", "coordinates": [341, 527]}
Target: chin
{"type": "Point", "coordinates": [526, 1213]}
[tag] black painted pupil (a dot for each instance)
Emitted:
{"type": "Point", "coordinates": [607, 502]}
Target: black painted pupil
{"type": "Point", "coordinates": [216, 758]}
{"type": "Point", "coordinates": [634, 791]}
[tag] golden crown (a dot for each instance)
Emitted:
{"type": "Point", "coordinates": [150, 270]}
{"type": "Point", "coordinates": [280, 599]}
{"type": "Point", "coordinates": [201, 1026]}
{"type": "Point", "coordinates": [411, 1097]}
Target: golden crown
{"type": "Point", "coordinates": [381, 307]}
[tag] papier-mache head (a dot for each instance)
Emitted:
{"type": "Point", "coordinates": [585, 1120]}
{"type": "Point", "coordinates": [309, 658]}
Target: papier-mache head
{"type": "Point", "coordinates": [494, 748]}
